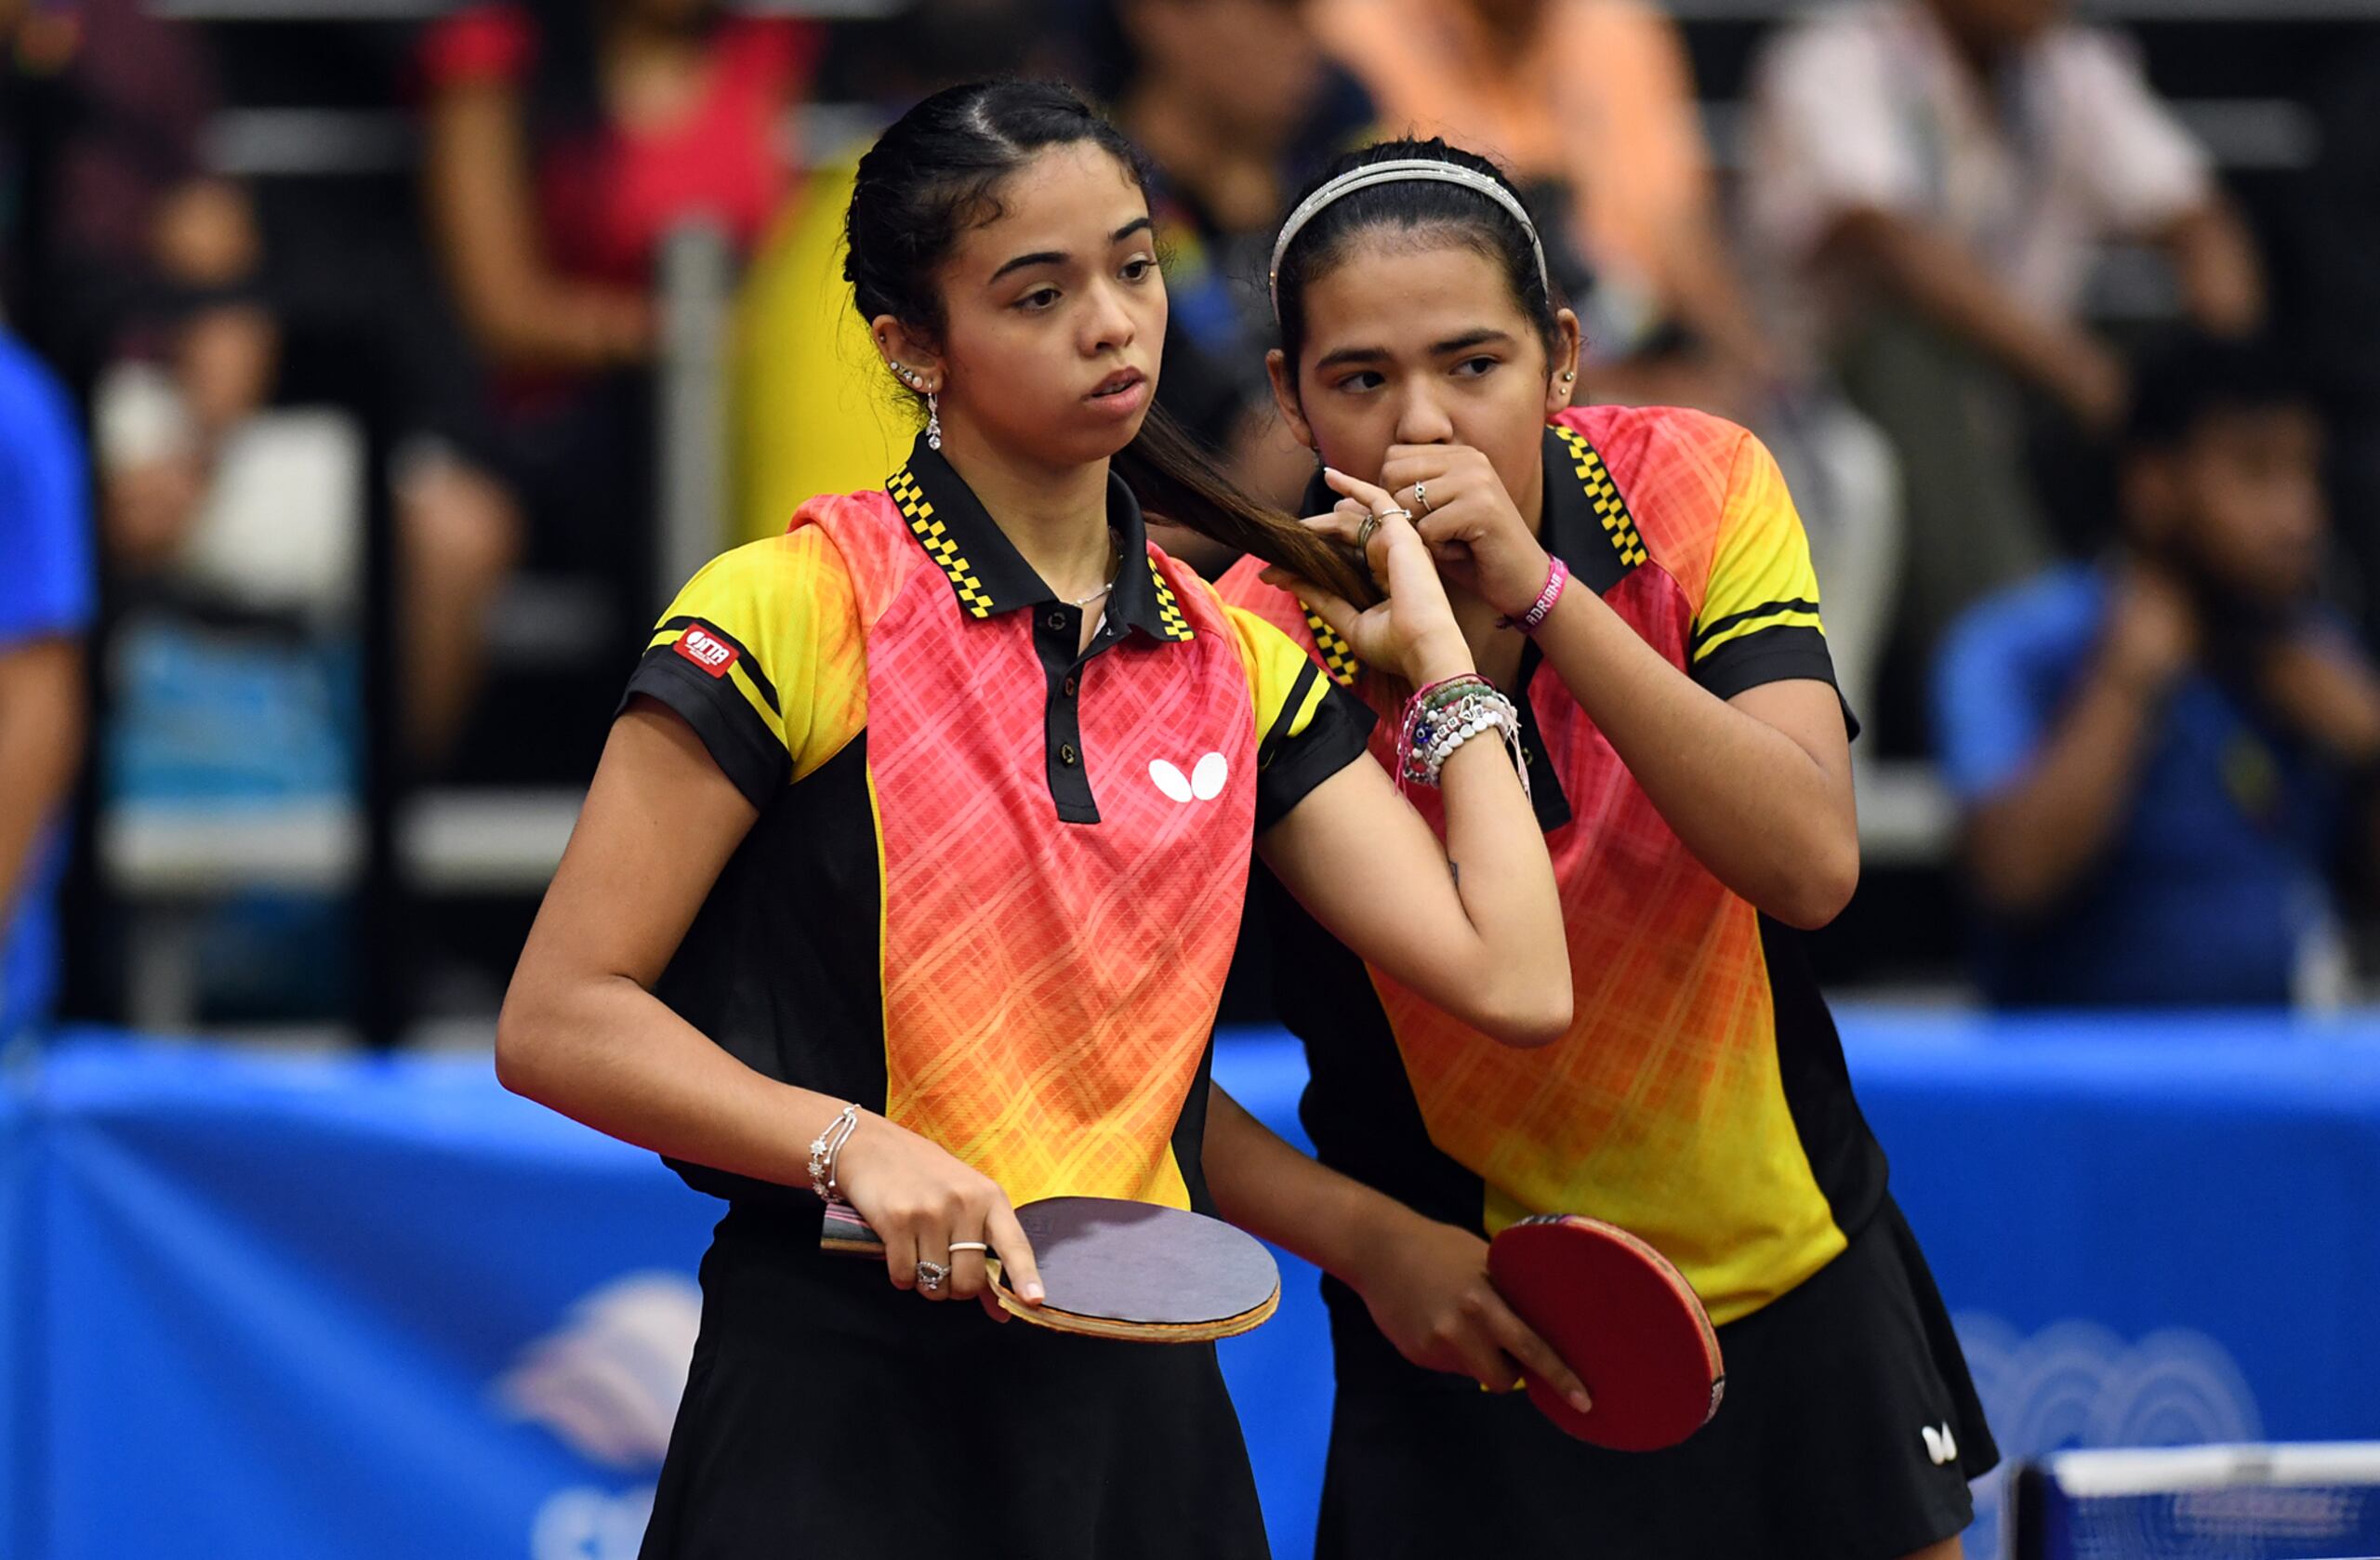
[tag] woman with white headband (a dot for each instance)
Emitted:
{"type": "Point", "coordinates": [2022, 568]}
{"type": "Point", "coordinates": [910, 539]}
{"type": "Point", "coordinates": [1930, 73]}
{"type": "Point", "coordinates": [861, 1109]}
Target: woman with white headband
{"type": "Point", "coordinates": [1637, 579]}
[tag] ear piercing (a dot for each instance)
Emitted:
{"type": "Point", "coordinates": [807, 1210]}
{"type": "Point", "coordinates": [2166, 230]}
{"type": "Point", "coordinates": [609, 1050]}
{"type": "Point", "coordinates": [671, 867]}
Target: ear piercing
{"type": "Point", "coordinates": [916, 382]}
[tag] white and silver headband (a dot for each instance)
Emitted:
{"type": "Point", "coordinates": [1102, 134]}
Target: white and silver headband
{"type": "Point", "coordinates": [1398, 172]}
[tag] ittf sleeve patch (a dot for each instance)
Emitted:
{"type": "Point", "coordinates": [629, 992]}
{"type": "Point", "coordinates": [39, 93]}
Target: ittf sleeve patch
{"type": "Point", "coordinates": [760, 654]}
{"type": "Point", "coordinates": [707, 648]}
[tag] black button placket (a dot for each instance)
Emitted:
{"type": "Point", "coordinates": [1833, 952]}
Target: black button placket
{"type": "Point", "coordinates": [1545, 795]}
{"type": "Point", "coordinates": [1057, 629]}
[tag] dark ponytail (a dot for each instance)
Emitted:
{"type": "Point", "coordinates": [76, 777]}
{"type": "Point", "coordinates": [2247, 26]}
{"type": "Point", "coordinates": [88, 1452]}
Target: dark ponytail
{"type": "Point", "coordinates": [937, 173]}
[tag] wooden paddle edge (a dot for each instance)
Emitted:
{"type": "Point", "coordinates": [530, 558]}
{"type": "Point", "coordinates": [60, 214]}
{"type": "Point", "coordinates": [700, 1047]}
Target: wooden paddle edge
{"type": "Point", "coordinates": [1058, 1319]}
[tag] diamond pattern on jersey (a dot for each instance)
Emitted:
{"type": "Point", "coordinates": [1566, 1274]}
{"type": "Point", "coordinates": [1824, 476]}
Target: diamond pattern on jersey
{"type": "Point", "coordinates": [1049, 988]}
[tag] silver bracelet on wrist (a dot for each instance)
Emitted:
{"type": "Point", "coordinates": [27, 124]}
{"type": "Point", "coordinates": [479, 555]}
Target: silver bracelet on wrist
{"type": "Point", "coordinates": [827, 1148]}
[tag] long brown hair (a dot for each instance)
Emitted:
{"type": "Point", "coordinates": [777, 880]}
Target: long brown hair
{"type": "Point", "coordinates": [936, 171]}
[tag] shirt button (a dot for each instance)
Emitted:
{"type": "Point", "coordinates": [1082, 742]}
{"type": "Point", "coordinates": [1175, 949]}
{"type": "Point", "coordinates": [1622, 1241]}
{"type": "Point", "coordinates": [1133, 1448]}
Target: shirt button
{"type": "Point", "coordinates": [1066, 755]}
{"type": "Point", "coordinates": [1057, 620]}
{"type": "Point", "coordinates": [1067, 687]}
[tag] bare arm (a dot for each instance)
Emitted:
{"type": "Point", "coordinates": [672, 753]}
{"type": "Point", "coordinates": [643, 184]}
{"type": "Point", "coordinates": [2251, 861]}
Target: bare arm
{"type": "Point", "coordinates": [1944, 284]}
{"type": "Point", "coordinates": [2222, 282]}
{"type": "Point", "coordinates": [2026, 844]}
{"type": "Point", "coordinates": [1757, 787]}
{"type": "Point", "coordinates": [2319, 682]}
{"type": "Point", "coordinates": [42, 722]}
{"type": "Point", "coordinates": [582, 1032]}
{"type": "Point", "coordinates": [481, 200]}
{"type": "Point", "coordinates": [1425, 1283]}
{"type": "Point", "coordinates": [1475, 925]}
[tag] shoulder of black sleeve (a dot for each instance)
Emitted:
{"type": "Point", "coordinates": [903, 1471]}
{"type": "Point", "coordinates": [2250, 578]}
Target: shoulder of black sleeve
{"type": "Point", "coordinates": [728, 717]}
{"type": "Point", "coordinates": [1297, 754]}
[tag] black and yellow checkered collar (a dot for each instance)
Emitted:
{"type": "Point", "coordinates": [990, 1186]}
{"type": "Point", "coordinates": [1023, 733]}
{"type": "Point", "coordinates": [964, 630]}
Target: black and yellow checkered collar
{"type": "Point", "coordinates": [1588, 524]}
{"type": "Point", "coordinates": [990, 577]}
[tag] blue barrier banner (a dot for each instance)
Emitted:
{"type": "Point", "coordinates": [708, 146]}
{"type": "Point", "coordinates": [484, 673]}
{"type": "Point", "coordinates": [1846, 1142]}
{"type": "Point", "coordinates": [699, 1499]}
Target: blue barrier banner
{"type": "Point", "coordinates": [276, 1307]}
{"type": "Point", "coordinates": [2151, 1232]}
{"type": "Point", "coordinates": [352, 1309]}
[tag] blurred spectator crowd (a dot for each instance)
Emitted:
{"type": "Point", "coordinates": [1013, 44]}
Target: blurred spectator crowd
{"type": "Point", "coordinates": [363, 383]}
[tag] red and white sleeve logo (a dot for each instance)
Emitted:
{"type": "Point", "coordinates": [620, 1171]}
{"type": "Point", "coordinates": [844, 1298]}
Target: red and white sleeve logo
{"type": "Point", "coordinates": [706, 650]}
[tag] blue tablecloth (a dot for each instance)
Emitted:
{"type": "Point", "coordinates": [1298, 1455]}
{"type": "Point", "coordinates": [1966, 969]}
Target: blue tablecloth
{"type": "Point", "coordinates": [272, 1307]}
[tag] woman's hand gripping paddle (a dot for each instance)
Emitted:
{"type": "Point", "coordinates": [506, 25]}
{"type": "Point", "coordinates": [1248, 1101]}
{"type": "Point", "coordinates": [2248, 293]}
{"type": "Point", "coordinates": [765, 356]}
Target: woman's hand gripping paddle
{"type": "Point", "coordinates": [1112, 1268]}
{"type": "Point", "coordinates": [1623, 1319]}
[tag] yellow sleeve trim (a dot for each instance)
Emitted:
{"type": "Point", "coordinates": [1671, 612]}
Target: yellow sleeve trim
{"type": "Point", "coordinates": [1761, 558]}
{"type": "Point", "coordinates": [1759, 622]}
{"type": "Point", "coordinates": [743, 681]}
{"type": "Point", "coordinates": [788, 606]}
{"type": "Point", "coordinates": [1273, 662]}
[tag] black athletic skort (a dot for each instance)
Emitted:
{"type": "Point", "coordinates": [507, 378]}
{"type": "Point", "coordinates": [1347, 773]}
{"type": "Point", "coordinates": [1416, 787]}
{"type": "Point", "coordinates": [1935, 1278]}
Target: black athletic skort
{"type": "Point", "coordinates": [829, 1415]}
{"type": "Point", "coordinates": [1848, 1432]}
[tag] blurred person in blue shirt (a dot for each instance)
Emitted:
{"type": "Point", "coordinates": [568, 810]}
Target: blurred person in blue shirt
{"type": "Point", "coordinates": [46, 607]}
{"type": "Point", "coordinates": [2154, 753]}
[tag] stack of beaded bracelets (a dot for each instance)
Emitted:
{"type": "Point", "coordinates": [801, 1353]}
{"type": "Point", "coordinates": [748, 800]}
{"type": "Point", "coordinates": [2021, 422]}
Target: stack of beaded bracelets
{"type": "Point", "coordinates": [826, 1147]}
{"type": "Point", "coordinates": [1444, 716]}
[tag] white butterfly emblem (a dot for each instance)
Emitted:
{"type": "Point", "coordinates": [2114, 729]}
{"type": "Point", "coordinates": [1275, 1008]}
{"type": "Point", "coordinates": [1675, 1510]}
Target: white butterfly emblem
{"type": "Point", "coordinates": [1204, 782]}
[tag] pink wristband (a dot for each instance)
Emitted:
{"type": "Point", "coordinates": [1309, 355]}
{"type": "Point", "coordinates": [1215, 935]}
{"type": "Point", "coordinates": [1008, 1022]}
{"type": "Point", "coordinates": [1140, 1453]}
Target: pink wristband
{"type": "Point", "coordinates": [1556, 576]}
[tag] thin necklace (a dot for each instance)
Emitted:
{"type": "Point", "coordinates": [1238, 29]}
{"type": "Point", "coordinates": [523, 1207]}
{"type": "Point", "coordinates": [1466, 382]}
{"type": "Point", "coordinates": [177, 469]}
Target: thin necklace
{"type": "Point", "coordinates": [1117, 568]}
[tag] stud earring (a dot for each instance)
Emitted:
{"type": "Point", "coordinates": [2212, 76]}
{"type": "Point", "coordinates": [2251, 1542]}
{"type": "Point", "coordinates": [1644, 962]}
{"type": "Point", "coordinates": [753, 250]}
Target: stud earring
{"type": "Point", "coordinates": [1568, 376]}
{"type": "Point", "coordinates": [934, 421]}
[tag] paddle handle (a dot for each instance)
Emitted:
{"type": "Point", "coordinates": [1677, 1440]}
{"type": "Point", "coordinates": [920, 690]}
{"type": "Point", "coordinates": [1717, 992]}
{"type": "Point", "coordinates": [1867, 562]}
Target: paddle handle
{"type": "Point", "coordinates": [844, 1233]}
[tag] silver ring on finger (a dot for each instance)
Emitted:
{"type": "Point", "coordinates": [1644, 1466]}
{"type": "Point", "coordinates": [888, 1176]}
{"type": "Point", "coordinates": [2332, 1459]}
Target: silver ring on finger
{"type": "Point", "coordinates": [1364, 532]}
{"type": "Point", "coordinates": [932, 1276]}
{"type": "Point", "coordinates": [1421, 499]}
{"type": "Point", "coordinates": [958, 1245]}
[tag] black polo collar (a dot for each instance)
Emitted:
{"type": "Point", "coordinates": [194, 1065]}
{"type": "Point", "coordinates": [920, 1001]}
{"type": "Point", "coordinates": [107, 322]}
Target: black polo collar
{"type": "Point", "coordinates": [1588, 525]}
{"type": "Point", "coordinates": [1587, 520]}
{"type": "Point", "coordinates": [990, 577]}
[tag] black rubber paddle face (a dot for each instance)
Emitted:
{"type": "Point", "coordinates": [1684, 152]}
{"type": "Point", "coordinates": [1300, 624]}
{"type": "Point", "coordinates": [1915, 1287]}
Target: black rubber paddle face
{"type": "Point", "coordinates": [1117, 1269]}
{"type": "Point", "coordinates": [1137, 1265]}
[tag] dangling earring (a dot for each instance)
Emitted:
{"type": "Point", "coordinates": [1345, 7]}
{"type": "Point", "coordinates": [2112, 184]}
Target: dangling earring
{"type": "Point", "coordinates": [934, 421]}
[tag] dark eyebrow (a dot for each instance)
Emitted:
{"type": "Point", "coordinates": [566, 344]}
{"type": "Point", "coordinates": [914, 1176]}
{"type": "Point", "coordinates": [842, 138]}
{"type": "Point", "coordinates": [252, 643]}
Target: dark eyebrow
{"type": "Point", "coordinates": [1040, 257]}
{"type": "Point", "coordinates": [1346, 356]}
{"type": "Point", "coordinates": [1469, 339]}
{"type": "Point", "coordinates": [1059, 257]}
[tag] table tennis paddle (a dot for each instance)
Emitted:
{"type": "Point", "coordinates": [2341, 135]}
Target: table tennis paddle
{"type": "Point", "coordinates": [1112, 1268]}
{"type": "Point", "coordinates": [1623, 1319]}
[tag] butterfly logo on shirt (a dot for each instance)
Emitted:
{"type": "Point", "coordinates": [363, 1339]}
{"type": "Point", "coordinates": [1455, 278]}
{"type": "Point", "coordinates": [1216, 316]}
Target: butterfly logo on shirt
{"type": "Point", "coordinates": [1204, 782]}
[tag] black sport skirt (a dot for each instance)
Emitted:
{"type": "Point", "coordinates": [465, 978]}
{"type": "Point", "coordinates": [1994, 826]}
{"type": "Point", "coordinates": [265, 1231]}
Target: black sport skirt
{"type": "Point", "coordinates": [1848, 1432]}
{"type": "Point", "coordinates": [830, 1414]}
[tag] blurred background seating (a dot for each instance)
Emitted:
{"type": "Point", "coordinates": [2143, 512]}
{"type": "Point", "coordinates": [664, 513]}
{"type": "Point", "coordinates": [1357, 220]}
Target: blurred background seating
{"type": "Point", "coordinates": [422, 346]}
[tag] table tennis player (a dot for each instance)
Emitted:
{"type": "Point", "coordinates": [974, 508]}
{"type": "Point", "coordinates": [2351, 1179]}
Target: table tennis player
{"type": "Point", "coordinates": [912, 867]}
{"type": "Point", "coordinates": [1639, 579]}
